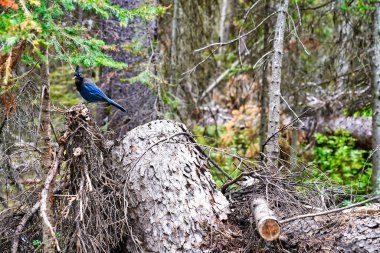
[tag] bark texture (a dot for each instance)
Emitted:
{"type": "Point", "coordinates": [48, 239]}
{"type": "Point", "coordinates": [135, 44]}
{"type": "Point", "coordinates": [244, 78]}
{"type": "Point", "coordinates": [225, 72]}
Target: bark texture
{"type": "Point", "coordinates": [173, 51]}
{"type": "Point", "coordinates": [172, 199]}
{"type": "Point", "coordinates": [264, 86]}
{"type": "Point", "coordinates": [137, 98]}
{"type": "Point", "coordinates": [343, 62]}
{"type": "Point", "coordinates": [376, 99]}
{"type": "Point", "coordinates": [350, 231]}
{"type": "Point", "coordinates": [222, 24]}
{"type": "Point", "coordinates": [273, 148]}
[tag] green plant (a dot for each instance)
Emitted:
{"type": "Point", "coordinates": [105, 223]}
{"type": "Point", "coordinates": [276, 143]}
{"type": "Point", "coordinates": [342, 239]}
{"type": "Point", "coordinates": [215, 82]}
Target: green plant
{"type": "Point", "coordinates": [236, 137]}
{"type": "Point", "coordinates": [337, 156]}
{"type": "Point", "coordinates": [36, 243]}
{"type": "Point", "coordinates": [364, 111]}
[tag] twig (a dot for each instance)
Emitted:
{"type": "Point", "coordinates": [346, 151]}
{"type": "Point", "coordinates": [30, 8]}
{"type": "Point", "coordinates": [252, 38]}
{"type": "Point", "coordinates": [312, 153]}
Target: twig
{"type": "Point", "coordinates": [296, 34]}
{"type": "Point", "coordinates": [188, 72]}
{"type": "Point", "coordinates": [218, 80]}
{"type": "Point", "coordinates": [44, 195]}
{"type": "Point", "coordinates": [290, 108]}
{"type": "Point", "coordinates": [329, 211]}
{"type": "Point", "coordinates": [282, 129]}
{"type": "Point", "coordinates": [21, 226]}
{"type": "Point", "coordinates": [317, 7]}
{"type": "Point", "coordinates": [232, 181]}
{"type": "Point", "coordinates": [208, 157]}
{"type": "Point", "coordinates": [244, 19]}
{"type": "Point", "coordinates": [237, 38]}
{"type": "Point", "coordinates": [155, 144]}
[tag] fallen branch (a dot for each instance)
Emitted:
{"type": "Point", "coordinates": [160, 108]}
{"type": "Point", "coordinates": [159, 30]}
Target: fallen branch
{"type": "Point", "coordinates": [218, 80]}
{"type": "Point", "coordinates": [45, 193]}
{"type": "Point", "coordinates": [21, 226]}
{"type": "Point", "coordinates": [329, 211]}
{"type": "Point", "coordinates": [266, 222]}
{"type": "Point", "coordinates": [234, 180]}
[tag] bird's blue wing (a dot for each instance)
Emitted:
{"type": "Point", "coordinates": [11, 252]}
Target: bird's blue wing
{"type": "Point", "coordinates": [93, 93]}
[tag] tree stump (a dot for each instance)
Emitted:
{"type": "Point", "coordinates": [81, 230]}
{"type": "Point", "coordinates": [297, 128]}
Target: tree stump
{"type": "Point", "coordinates": [171, 197]}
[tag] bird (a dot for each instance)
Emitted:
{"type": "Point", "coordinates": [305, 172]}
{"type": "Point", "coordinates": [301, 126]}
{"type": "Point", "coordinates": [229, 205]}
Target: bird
{"type": "Point", "coordinates": [90, 92]}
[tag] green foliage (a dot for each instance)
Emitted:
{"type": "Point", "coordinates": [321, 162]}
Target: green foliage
{"type": "Point", "coordinates": [231, 142]}
{"type": "Point", "coordinates": [364, 111]}
{"type": "Point", "coordinates": [36, 243]}
{"type": "Point", "coordinates": [40, 24]}
{"type": "Point", "coordinates": [210, 136]}
{"type": "Point", "coordinates": [337, 156]}
{"type": "Point", "coordinates": [358, 7]}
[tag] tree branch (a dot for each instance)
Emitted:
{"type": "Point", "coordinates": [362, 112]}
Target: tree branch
{"type": "Point", "coordinates": [329, 211]}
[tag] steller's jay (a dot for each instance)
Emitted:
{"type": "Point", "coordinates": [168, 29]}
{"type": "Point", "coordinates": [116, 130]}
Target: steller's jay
{"type": "Point", "coordinates": [90, 92]}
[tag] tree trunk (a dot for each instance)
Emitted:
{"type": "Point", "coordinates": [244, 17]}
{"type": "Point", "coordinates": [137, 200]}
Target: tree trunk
{"type": "Point", "coordinates": [46, 147]}
{"type": "Point", "coordinates": [222, 23]}
{"type": "Point", "coordinates": [173, 53]}
{"type": "Point", "coordinates": [137, 97]}
{"type": "Point", "coordinates": [172, 199]}
{"type": "Point", "coordinates": [359, 127]}
{"type": "Point", "coordinates": [348, 231]}
{"type": "Point", "coordinates": [264, 86]}
{"type": "Point", "coordinates": [342, 62]}
{"type": "Point", "coordinates": [294, 143]}
{"type": "Point", "coordinates": [376, 100]}
{"type": "Point", "coordinates": [273, 148]}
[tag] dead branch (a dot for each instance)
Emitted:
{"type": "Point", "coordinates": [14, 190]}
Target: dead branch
{"type": "Point", "coordinates": [21, 225]}
{"type": "Point", "coordinates": [219, 44]}
{"type": "Point", "coordinates": [234, 180]}
{"type": "Point", "coordinates": [45, 194]}
{"type": "Point", "coordinates": [329, 211]}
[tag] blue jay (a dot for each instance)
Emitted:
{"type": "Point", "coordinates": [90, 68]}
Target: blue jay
{"type": "Point", "coordinates": [90, 92]}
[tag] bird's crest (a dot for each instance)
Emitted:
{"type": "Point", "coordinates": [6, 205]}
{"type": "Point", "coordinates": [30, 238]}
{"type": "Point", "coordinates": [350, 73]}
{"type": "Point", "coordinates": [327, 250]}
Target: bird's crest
{"type": "Point", "coordinates": [78, 72]}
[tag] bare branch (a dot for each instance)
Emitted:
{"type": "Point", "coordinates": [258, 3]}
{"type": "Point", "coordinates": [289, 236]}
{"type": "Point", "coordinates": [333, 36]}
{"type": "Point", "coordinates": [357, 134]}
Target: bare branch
{"type": "Point", "coordinates": [219, 44]}
{"type": "Point", "coordinates": [329, 211]}
{"type": "Point", "coordinates": [45, 194]}
{"type": "Point", "coordinates": [21, 225]}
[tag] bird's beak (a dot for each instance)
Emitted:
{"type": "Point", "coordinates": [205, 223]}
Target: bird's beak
{"type": "Point", "coordinates": [73, 77]}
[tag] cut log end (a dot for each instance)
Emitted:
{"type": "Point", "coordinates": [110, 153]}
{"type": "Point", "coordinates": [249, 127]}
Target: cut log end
{"type": "Point", "coordinates": [266, 222]}
{"type": "Point", "coordinates": [269, 229]}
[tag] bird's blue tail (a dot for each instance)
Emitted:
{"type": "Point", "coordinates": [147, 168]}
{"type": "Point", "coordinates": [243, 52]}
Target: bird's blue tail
{"type": "Point", "coordinates": [110, 101]}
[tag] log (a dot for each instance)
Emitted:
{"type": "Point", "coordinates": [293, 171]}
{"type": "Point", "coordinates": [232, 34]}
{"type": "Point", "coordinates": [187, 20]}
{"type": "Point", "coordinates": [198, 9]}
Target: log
{"type": "Point", "coordinates": [172, 198]}
{"type": "Point", "coordinates": [266, 222]}
{"type": "Point", "coordinates": [359, 127]}
{"type": "Point", "coordinates": [356, 230]}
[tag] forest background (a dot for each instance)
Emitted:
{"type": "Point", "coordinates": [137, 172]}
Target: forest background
{"type": "Point", "coordinates": [206, 63]}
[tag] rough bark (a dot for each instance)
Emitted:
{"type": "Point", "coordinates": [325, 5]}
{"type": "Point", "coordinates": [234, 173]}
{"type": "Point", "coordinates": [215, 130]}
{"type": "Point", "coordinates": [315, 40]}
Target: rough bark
{"type": "Point", "coordinates": [137, 98]}
{"type": "Point", "coordinates": [355, 230]}
{"type": "Point", "coordinates": [173, 52]}
{"type": "Point", "coordinates": [222, 23]}
{"type": "Point", "coordinates": [172, 199]}
{"type": "Point", "coordinates": [342, 62]}
{"type": "Point", "coordinates": [376, 99]}
{"type": "Point", "coordinates": [46, 147]}
{"type": "Point", "coordinates": [264, 86]}
{"type": "Point", "coordinates": [273, 148]}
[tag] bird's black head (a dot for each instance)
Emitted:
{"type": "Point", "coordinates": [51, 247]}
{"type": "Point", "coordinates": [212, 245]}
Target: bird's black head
{"type": "Point", "coordinates": [78, 73]}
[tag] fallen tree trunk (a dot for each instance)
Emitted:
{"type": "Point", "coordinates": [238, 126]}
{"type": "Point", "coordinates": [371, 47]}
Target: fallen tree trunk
{"type": "Point", "coordinates": [359, 127]}
{"type": "Point", "coordinates": [356, 230]}
{"type": "Point", "coordinates": [171, 198]}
